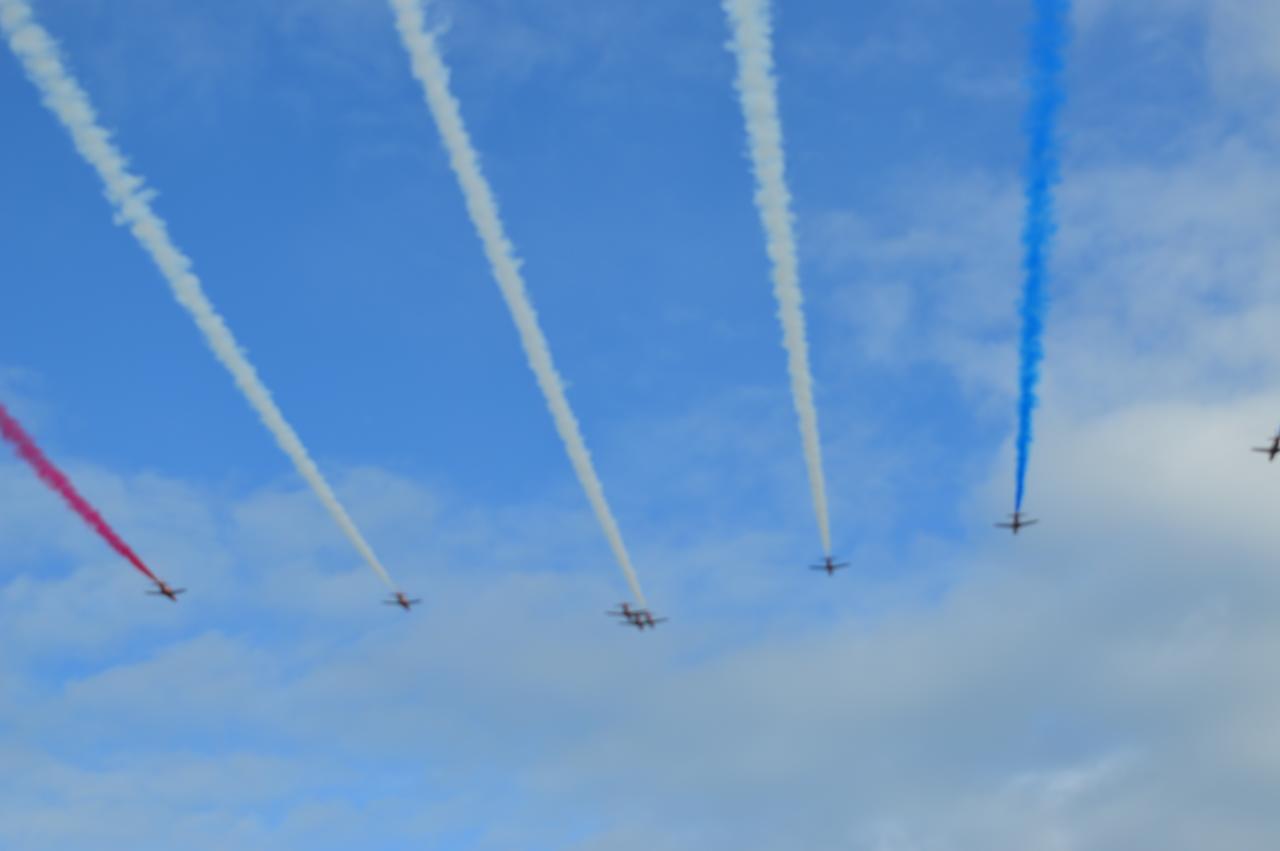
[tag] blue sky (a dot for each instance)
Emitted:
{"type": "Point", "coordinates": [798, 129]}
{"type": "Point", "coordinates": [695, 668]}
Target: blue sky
{"type": "Point", "coordinates": [1102, 678]}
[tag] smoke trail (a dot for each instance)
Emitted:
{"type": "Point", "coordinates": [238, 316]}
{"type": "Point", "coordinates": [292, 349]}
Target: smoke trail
{"type": "Point", "coordinates": [1048, 42]}
{"type": "Point", "coordinates": [128, 193]}
{"type": "Point", "coordinates": [429, 68]}
{"type": "Point", "coordinates": [757, 88]}
{"type": "Point", "coordinates": [58, 481]}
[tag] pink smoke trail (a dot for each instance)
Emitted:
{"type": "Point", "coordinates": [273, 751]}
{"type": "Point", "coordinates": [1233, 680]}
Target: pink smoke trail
{"type": "Point", "coordinates": [58, 481]}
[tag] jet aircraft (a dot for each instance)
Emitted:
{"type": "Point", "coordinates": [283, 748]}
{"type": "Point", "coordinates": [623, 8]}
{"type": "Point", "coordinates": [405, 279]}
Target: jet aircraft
{"type": "Point", "coordinates": [644, 618]}
{"type": "Point", "coordinates": [1017, 522]}
{"type": "Point", "coordinates": [624, 610]}
{"type": "Point", "coordinates": [830, 565]}
{"type": "Point", "coordinates": [399, 599]}
{"type": "Point", "coordinates": [1270, 451]}
{"type": "Point", "coordinates": [639, 618]}
{"type": "Point", "coordinates": [163, 590]}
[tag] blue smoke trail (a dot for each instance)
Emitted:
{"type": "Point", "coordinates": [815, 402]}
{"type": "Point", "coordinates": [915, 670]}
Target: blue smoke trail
{"type": "Point", "coordinates": [1048, 43]}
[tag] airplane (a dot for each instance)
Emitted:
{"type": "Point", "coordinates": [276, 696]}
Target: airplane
{"type": "Point", "coordinates": [639, 618]}
{"type": "Point", "coordinates": [1271, 451]}
{"type": "Point", "coordinates": [644, 618]}
{"type": "Point", "coordinates": [399, 599]}
{"type": "Point", "coordinates": [1017, 523]}
{"type": "Point", "coordinates": [830, 565]}
{"type": "Point", "coordinates": [163, 590]}
{"type": "Point", "coordinates": [624, 610]}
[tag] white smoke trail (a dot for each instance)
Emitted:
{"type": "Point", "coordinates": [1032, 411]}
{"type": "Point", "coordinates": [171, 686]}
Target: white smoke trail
{"type": "Point", "coordinates": [40, 57]}
{"type": "Point", "coordinates": [429, 68]}
{"type": "Point", "coordinates": [752, 44]}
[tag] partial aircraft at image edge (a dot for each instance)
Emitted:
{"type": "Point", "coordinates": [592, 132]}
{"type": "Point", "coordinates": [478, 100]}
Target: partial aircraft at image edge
{"type": "Point", "coordinates": [1270, 451]}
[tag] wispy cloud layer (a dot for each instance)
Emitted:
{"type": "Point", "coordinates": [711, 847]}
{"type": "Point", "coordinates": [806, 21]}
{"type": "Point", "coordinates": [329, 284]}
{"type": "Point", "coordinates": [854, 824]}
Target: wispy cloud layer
{"type": "Point", "coordinates": [1104, 690]}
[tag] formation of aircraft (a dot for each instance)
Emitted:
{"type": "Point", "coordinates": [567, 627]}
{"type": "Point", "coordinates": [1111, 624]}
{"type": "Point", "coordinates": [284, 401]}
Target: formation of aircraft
{"type": "Point", "coordinates": [399, 599]}
{"type": "Point", "coordinates": [163, 590]}
{"type": "Point", "coordinates": [830, 565]}
{"type": "Point", "coordinates": [641, 619]}
{"type": "Point", "coordinates": [1270, 451]}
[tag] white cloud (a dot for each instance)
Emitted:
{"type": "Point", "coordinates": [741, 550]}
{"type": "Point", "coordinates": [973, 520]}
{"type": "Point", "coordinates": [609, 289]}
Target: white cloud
{"type": "Point", "coordinates": [1078, 686]}
{"type": "Point", "coordinates": [1165, 269]}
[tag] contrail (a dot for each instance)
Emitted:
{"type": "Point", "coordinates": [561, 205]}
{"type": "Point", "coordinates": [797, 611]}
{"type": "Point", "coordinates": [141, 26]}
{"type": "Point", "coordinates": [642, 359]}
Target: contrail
{"type": "Point", "coordinates": [1048, 43]}
{"type": "Point", "coordinates": [431, 72]}
{"type": "Point", "coordinates": [757, 88]}
{"type": "Point", "coordinates": [128, 193]}
{"type": "Point", "coordinates": [27, 449]}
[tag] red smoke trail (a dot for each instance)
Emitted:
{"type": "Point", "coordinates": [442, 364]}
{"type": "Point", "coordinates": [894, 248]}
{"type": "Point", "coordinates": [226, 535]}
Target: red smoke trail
{"type": "Point", "coordinates": [54, 478]}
